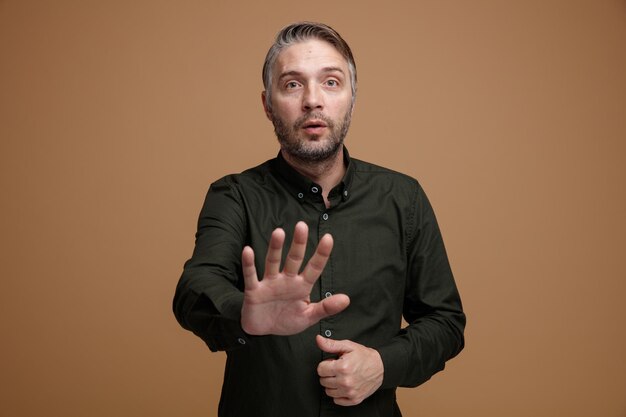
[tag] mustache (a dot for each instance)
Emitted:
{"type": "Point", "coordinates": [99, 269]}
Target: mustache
{"type": "Point", "coordinates": [313, 116]}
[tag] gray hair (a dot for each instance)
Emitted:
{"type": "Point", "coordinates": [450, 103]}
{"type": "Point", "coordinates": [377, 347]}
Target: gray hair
{"type": "Point", "coordinates": [300, 32]}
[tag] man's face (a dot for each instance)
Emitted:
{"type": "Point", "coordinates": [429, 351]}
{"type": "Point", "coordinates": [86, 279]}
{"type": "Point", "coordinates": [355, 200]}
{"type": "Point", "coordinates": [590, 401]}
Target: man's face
{"type": "Point", "coordinates": [311, 100]}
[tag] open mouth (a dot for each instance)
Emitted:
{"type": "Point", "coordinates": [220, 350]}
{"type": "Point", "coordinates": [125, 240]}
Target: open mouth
{"type": "Point", "coordinates": [314, 124]}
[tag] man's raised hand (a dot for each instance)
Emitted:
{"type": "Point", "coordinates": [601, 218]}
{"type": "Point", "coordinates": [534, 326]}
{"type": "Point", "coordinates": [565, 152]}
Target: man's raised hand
{"type": "Point", "coordinates": [280, 303]}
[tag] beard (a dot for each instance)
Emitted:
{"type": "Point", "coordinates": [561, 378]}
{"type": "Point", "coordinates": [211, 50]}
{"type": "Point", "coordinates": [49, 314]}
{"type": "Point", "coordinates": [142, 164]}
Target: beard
{"type": "Point", "coordinates": [311, 150]}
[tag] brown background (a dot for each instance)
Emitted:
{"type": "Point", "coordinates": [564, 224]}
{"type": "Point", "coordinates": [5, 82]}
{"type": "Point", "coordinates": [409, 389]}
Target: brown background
{"type": "Point", "coordinates": [115, 117]}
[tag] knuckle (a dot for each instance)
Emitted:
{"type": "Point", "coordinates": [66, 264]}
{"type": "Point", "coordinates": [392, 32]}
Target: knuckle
{"type": "Point", "coordinates": [343, 368]}
{"type": "Point", "coordinates": [294, 257]}
{"type": "Point", "coordinates": [316, 268]}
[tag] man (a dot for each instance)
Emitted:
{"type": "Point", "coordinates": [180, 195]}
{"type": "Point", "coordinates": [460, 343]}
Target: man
{"type": "Point", "coordinates": [316, 330]}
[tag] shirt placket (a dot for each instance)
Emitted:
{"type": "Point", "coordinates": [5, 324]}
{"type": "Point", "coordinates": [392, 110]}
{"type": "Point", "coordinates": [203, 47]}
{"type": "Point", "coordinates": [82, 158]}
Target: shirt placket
{"type": "Point", "coordinates": [327, 326]}
{"type": "Point", "coordinates": [324, 226]}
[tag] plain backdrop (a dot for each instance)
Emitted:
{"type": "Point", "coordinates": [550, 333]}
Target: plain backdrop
{"type": "Point", "coordinates": [115, 116]}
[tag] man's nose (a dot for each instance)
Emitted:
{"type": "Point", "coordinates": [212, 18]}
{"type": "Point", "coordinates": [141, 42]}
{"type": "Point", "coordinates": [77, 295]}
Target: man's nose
{"type": "Point", "coordinates": [312, 98]}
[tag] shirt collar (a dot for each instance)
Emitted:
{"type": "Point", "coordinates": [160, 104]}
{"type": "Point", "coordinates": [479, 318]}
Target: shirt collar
{"type": "Point", "coordinates": [301, 186]}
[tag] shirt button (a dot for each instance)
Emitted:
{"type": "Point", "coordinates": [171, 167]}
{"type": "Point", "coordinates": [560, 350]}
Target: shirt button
{"type": "Point", "coordinates": [325, 216]}
{"type": "Point", "coordinates": [345, 193]}
{"type": "Point", "coordinates": [328, 294]}
{"type": "Point", "coordinates": [328, 333]}
{"type": "Point", "coordinates": [241, 341]}
{"type": "Point", "coordinates": [314, 190]}
{"type": "Point", "coordinates": [300, 195]}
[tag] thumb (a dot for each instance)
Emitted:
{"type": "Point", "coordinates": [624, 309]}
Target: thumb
{"type": "Point", "coordinates": [333, 346]}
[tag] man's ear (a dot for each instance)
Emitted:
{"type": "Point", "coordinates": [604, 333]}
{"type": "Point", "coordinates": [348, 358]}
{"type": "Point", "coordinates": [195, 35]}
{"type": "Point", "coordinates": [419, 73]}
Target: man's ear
{"type": "Point", "coordinates": [268, 112]}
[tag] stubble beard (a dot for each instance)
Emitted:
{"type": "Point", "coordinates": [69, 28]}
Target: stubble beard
{"type": "Point", "coordinates": [302, 149]}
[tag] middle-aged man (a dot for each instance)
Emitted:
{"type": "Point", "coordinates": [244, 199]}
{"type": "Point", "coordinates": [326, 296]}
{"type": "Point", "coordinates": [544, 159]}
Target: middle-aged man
{"type": "Point", "coordinates": [316, 330]}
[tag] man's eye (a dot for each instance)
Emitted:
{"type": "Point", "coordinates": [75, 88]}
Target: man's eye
{"type": "Point", "coordinates": [332, 83]}
{"type": "Point", "coordinates": [292, 84]}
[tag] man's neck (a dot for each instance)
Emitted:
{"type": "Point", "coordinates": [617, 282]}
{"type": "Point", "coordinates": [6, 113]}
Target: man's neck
{"type": "Point", "coordinates": [326, 173]}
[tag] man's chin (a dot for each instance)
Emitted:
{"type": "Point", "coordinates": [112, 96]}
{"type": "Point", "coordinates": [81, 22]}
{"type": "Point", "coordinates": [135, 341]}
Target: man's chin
{"type": "Point", "coordinates": [314, 152]}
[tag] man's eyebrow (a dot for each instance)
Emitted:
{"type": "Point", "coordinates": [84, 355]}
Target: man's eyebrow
{"type": "Point", "coordinates": [295, 73]}
{"type": "Point", "coordinates": [332, 69]}
{"type": "Point", "coordinates": [289, 74]}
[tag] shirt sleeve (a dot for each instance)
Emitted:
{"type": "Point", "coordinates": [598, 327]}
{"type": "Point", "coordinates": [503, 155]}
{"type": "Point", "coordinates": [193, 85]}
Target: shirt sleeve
{"type": "Point", "coordinates": [209, 296]}
{"type": "Point", "coordinates": [432, 306]}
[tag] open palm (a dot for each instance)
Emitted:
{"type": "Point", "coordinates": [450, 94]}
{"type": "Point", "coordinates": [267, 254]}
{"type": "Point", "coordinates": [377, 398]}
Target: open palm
{"type": "Point", "coordinates": [280, 303]}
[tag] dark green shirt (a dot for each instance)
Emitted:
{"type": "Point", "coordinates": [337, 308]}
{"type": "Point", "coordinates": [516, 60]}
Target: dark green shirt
{"type": "Point", "coordinates": [388, 257]}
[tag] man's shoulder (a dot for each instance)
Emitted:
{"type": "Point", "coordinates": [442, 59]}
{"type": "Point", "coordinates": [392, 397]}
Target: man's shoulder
{"type": "Point", "coordinates": [368, 171]}
{"type": "Point", "coordinates": [251, 175]}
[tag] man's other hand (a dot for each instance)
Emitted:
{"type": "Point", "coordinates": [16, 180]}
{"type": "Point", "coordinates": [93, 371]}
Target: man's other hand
{"type": "Point", "coordinates": [280, 303]}
{"type": "Point", "coordinates": [355, 375]}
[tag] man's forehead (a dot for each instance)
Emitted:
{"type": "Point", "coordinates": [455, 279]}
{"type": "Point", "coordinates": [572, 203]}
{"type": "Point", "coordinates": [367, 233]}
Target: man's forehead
{"type": "Point", "coordinates": [310, 54]}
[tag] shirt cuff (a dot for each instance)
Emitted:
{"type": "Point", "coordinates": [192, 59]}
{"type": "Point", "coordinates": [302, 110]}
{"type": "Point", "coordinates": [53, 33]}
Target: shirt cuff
{"type": "Point", "coordinates": [395, 362]}
{"type": "Point", "coordinates": [224, 331]}
{"type": "Point", "coordinates": [230, 305]}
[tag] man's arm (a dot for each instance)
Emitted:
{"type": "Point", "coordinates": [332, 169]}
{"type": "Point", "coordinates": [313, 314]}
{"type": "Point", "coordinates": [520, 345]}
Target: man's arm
{"type": "Point", "coordinates": [209, 299]}
{"type": "Point", "coordinates": [432, 307]}
{"type": "Point", "coordinates": [209, 295]}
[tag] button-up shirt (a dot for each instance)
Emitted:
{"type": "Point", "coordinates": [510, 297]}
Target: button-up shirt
{"type": "Point", "coordinates": [388, 257]}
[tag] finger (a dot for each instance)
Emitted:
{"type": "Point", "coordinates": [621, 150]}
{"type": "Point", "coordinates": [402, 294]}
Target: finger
{"type": "Point", "coordinates": [328, 307]}
{"type": "Point", "coordinates": [316, 264]}
{"type": "Point", "coordinates": [334, 346]}
{"type": "Point", "coordinates": [249, 270]}
{"type": "Point", "coordinates": [297, 249]}
{"type": "Point", "coordinates": [345, 401]}
{"type": "Point", "coordinates": [337, 394]}
{"type": "Point", "coordinates": [329, 382]}
{"type": "Point", "coordinates": [274, 253]}
{"type": "Point", "coordinates": [326, 368]}
{"type": "Point", "coordinates": [335, 304]}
